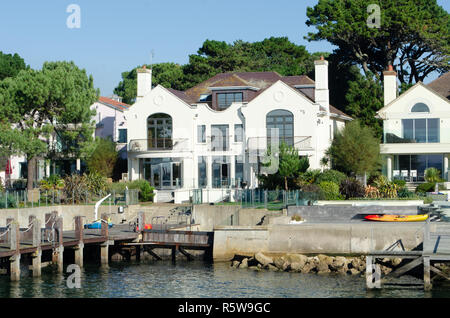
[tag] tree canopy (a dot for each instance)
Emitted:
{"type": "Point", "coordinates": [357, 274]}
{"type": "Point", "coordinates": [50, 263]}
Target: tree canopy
{"type": "Point", "coordinates": [413, 35]}
{"type": "Point", "coordinates": [10, 65]}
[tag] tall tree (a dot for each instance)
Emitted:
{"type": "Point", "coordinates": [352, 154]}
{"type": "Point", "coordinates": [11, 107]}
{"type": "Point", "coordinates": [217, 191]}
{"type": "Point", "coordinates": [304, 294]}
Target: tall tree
{"type": "Point", "coordinates": [413, 35]}
{"type": "Point", "coordinates": [35, 104]}
{"type": "Point", "coordinates": [10, 65]}
{"type": "Point", "coordinates": [355, 150]}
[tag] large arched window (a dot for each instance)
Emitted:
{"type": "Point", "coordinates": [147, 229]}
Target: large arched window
{"type": "Point", "coordinates": [159, 130]}
{"type": "Point", "coordinates": [420, 108]}
{"type": "Point", "coordinates": [283, 122]}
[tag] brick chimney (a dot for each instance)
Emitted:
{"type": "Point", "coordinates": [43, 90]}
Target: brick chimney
{"type": "Point", "coordinates": [144, 82]}
{"type": "Point", "coordinates": [390, 85]}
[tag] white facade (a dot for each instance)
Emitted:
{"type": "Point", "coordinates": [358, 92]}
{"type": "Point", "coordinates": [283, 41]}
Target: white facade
{"type": "Point", "coordinates": [189, 161]}
{"type": "Point", "coordinates": [416, 132]}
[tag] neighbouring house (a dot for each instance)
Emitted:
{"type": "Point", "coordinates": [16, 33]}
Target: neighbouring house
{"type": "Point", "coordinates": [416, 128]}
{"type": "Point", "coordinates": [213, 136]}
{"type": "Point", "coordinates": [110, 122]}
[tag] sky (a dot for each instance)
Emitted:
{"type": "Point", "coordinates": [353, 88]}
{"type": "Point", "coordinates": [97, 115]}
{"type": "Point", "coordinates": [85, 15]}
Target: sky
{"type": "Point", "coordinates": [115, 36]}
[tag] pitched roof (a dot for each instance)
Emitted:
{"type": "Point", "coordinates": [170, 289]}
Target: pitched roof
{"type": "Point", "coordinates": [441, 85]}
{"type": "Point", "coordinates": [113, 103]}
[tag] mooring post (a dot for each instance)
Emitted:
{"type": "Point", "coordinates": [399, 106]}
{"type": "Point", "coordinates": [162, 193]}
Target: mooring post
{"type": "Point", "coordinates": [373, 273]}
{"type": "Point", "coordinates": [58, 251]}
{"type": "Point", "coordinates": [9, 221]}
{"type": "Point", "coordinates": [104, 247]}
{"type": "Point", "coordinates": [15, 245]}
{"type": "Point", "coordinates": [174, 254]}
{"type": "Point", "coordinates": [36, 237]}
{"type": "Point", "coordinates": [79, 232]}
{"type": "Point", "coordinates": [141, 221]}
{"type": "Point", "coordinates": [427, 274]}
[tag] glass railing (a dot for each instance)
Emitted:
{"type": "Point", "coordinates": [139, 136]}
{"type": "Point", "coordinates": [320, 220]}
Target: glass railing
{"type": "Point", "coordinates": [396, 137]}
{"type": "Point", "coordinates": [158, 144]}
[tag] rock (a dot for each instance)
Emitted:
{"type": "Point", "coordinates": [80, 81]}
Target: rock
{"type": "Point", "coordinates": [396, 261]}
{"type": "Point", "coordinates": [342, 270]}
{"type": "Point", "coordinates": [244, 263]}
{"type": "Point", "coordinates": [272, 268]}
{"type": "Point", "coordinates": [325, 272]}
{"type": "Point", "coordinates": [354, 271]}
{"type": "Point", "coordinates": [325, 259]}
{"type": "Point", "coordinates": [296, 267]}
{"type": "Point", "coordinates": [358, 264]}
{"type": "Point", "coordinates": [263, 259]}
{"type": "Point", "coordinates": [235, 264]}
{"type": "Point", "coordinates": [281, 263]}
{"type": "Point", "coordinates": [296, 258]}
{"type": "Point", "coordinates": [255, 268]}
{"type": "Point", "coordinates": [322, 267]}
{"type": "Point", "coordinates": [338, 263]}
{"type": "Point", "coordinates": [307, 268]}
{"type": "Point", "coordinates": [385, 270]}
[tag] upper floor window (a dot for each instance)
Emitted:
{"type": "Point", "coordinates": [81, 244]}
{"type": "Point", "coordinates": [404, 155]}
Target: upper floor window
{"type": "Point", "coordinates": [421, 130]}
{"type": "Point", "coordinates": [224, 100]}
{"type": "Point", "coordinates": [238, 133]}
{"type": "Point", "coordinates": [281, 121]}
{"type": "Point", "coordinates": [201, 134]}
{"type": "Point", "coordinates": [159, 131]}
{"type": "Point", "coordinates": [219, 138]}
{"type": "Point", "coordinates": [122, 136]}
{"type": "Point", "coordinates": [420, 108]}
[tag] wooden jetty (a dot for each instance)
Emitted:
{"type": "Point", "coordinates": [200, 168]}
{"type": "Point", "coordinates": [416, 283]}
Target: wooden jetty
{"type": "Point", "coordinates": [435, 249]}
{"type": "Point", "coordinates": [32, 241]}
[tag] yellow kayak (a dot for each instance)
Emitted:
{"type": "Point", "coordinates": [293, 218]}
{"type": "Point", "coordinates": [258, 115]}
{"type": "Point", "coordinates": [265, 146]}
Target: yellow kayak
{"type": "Point", "coordinates": [397, 218]}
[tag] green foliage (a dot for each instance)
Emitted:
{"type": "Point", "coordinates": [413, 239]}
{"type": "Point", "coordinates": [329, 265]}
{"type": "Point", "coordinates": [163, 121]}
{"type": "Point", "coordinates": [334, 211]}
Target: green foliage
{"type": "Point", "coordinates": [405, 193]}
{"type": "Point", "coordinates": [387, 189]}
{"type": "Point", "coordinates": [95, 182]}
{"type": "Point", "coordinates": [332, 176]}
{"type": "Point", "coordinates": [103, 159]}
{"type": "Point", "coordinates": [426, 187]}
{"type": "Point", "coordinates": [10, 65]}
{"type": "Point", "coordinates": [351, 188]}
{"type": "Point", "coordinates": [413, 34]}
{"type": "Point", "coordinates": [145, 189]}
{"type": "Point", "coordinates": [433, 175]}
{"type": "Point", "coordinates": [355, 150]}
{"type": "Point", "coordinates": [428, 200]}
{"type": "Point", "coordinates": [400, 183]}
{"type": "Point", "coordinates": [309, 177]}
{"type": "Point", "coordinates": [75, 189]}
{"type": "Point", "coordinates": [330, 190]}
{"type": "Point", "coordinates": [9, 201]}
{"type": "Point", "coordinates": [53, 182]}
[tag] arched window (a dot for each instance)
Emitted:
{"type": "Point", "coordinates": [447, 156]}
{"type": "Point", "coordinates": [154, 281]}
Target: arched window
{"type": "Point", "coordinates": [420, 108]}
{"type": "Point", "coordinates": [283, 122]}
{"type": "Point", "coordinates": [159, 130]}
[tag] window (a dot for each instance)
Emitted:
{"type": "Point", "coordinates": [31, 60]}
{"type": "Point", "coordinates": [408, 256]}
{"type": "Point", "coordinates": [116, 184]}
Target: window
{"type": "Point", "coordinates": [202, 177]}
{"type": "Point", "coordinates": [159, 128]}
{"type": "Point", "coordinates": [224, 100]}
{"type": "Point", "coordinates": [238, 133]}
{"type": "Point", "coordinates": [239, 171]}
{"type": "Point", "coordinates": [201, 133]}
{"type": "Point", "coordinates": [122, 136]}
{"type": "Point", "coordinates": [219, 138]}
{"type": "Point", "coordinates": [283, 122]}
{"type": "Point", "coordinates": [420, 108]}
{"type": "Point", "coordinates": [421, 130]}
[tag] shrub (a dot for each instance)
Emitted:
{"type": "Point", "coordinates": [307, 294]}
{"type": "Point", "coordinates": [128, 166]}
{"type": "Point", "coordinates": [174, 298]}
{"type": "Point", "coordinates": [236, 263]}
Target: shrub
{"type": "Point", "coordinates": [330, 190]}
{"type": "Point", "coordinates": [387, 188]}
{"type": "Point", "coordinates": [372, 192]}
{"type": "Point", "coordinates": [10, 201]}
{"type": "Point", "coordinates": [426, 187]}
{"type": "Point", "coordinates": [405, 193]}
{"type": "Point", "coordinates": [432, 175]}
{"type": "Point", "coordinates": [54, 182]}
{"type": "Point", "coordinates": [95, 182]}
{"type": "Point", "coordinates": [351, 188]}
{"type": "Point", "coordinates": [145, 190]}
{"type": "Point", "coordinates": [75, 188]}
{"type": "Point", "coordinates": [309, 177]}
{"type": "Point", "coordinates": [428, 200]}
{"type": "Point", "coordinates": [400, 183]}
{"type": "Point", "coordinates": [331, 176]}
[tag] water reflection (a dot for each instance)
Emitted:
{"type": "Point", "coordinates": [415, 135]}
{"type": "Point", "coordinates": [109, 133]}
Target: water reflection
{"type": "Point", "coordinates": [158, 279]}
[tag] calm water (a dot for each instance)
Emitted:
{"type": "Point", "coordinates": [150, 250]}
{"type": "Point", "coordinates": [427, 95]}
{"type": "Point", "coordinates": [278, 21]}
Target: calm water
{"type": "Point", "coordinates": [199, 280]}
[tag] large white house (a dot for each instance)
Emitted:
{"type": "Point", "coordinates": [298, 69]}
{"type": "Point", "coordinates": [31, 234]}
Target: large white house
{"type": "Point", "coordinates": [416, 128]}
{"type": "Point", "coordinates": [211, 135]}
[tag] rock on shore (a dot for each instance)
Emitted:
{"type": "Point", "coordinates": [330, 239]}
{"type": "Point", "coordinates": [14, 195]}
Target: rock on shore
{"type": "Point", "coordinates": [319, 264]}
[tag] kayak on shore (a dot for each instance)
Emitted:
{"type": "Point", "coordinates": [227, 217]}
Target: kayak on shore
{"type": "Point", "coordinates": [397, 218]}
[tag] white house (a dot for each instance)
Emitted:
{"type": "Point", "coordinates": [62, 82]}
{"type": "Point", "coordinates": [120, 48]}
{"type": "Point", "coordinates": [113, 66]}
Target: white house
{"type": "Point", "coordinates": [416, 128]}
{"type": "Point", "coordinates": [110, 121]}
{"type": "Point", "coordinates": [213, 135]}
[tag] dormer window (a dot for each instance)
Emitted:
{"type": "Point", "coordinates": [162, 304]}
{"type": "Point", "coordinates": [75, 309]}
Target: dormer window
{"type": "Point", "coordinates": [224, 100]}
{"type": "Point", "coordinates": [420, 108]}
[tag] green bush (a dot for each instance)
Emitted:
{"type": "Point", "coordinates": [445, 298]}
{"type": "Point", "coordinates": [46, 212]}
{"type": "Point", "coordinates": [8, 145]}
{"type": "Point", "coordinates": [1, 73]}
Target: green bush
{"type": "Point", "coordinates": [96, 183]}
{"type": "Point", "coordinates": [10, 201]}
{"type": "Point", "coordinates": [426, 187]}
{"type": "Point", "coordinates": [400, 183]}
{"type": "Point", "coordinates": [405, 193]}
{"type": "Point", "coordinates": [145, 190]}
{"type": "Point", "coordinates": [428, 200]}
{"type": "Point", "coordinates": [432, 175]}
{"type": "Point", "coordinates": [330, 190]}
{"type": "Point", "coordinates": [331, 176]}
{"type": "Point", "coordinates": [351, 188]}
{"type": "Point", "coordinates": [309, 177]}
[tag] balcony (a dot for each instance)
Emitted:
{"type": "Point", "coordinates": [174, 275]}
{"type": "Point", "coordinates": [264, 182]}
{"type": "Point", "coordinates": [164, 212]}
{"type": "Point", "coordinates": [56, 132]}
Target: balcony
{"type": "Point", "coordinates": [158, 144]}
{"type": "Point", "coordinates": [300, 143]}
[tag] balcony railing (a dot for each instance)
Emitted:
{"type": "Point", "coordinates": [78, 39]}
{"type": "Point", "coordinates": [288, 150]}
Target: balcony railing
{"type": "Point", "coordinates": [301, 143]}
{"type": "Point", "coordinates": [158, 144]}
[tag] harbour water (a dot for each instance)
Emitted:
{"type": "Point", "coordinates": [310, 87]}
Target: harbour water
{"type": "Point", "coordinates": [151, 279]}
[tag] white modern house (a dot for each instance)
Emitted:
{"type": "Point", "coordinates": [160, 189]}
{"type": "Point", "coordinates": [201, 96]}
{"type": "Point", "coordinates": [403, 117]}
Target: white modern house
{"type": "Point", "coordinates": [213, 135]}
{"type": "Point", "coordinates": [416, 128]}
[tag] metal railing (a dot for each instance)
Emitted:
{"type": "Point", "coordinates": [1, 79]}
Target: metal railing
{"type": "Point", "coordinates": [301, 143]}
{"type": "Point", "coordinates": [158, 144]}
{"type": "Point", "coordinates": [39, 198]}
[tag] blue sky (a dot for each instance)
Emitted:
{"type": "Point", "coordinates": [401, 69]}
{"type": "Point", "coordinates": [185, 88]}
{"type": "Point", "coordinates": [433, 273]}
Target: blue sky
{"type": "Point", "coordinates": [116, 36]}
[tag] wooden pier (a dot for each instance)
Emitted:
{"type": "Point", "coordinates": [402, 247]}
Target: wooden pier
{"type": "Point", "coordinates": [17, 243]}
{"type": "Point", "coordinates": [435, 249]}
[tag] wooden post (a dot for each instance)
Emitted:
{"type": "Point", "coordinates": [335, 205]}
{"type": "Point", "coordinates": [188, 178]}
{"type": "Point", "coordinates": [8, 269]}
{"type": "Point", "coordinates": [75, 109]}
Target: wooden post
{"type": "Point", "coordinates": [426, 274]}
{"type": "Point", "coordinates": [15, 245]}
{"type": "Point", "coordinates": [79, 232]}
{"type": "Point", "coordinates": [141, 221]}
{"type": "Point", "coordinates": [36, 256]}
{"type": "Point", "coordinates": [104, 247]}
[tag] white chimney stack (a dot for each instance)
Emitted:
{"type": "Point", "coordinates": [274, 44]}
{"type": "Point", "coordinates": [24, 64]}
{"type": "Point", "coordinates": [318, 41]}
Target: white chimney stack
{"type": "Point", "coordinates": [144, 82]}
{"type": "Point", "coordinates": [322, 94]}
{"type": "Point", "coordinates": [390, 85]}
